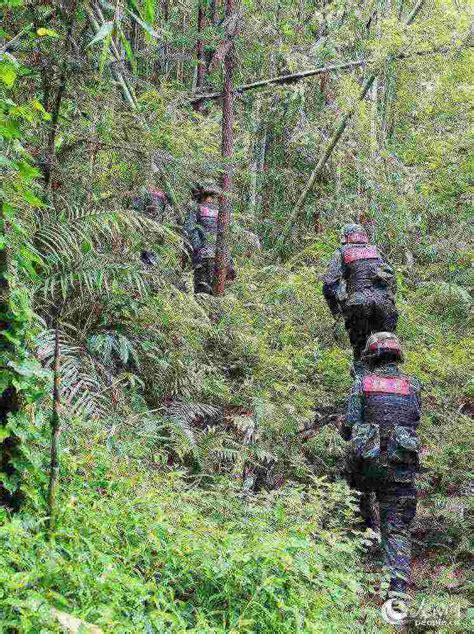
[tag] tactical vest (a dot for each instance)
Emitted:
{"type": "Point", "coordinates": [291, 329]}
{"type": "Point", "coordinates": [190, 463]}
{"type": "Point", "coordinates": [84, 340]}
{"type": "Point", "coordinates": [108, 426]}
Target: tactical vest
{"type": "Point", "coordinates": [207, 220]}
{"type": "Point", "coordinates": [386, 441]}
{"type": "Point", "coordinates": [360, 264]}
{"type": "Point", "coordinates": [389, 401]}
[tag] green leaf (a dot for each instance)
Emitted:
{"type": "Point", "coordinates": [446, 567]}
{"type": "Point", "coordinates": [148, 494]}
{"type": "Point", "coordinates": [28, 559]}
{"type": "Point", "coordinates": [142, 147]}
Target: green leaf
{"type": "Point", "coordinates": [10, 129]}
{"type": "Point", "coordinates": [4, 433]}
{"type": "Point", "coordinates": [148, 28]}
{"type": "Point", "coordinates": [105, 50]}
{"type": "Point", "coordinates": [28, 368]}
{"type": "Point", "coordinates": [7, 74]}
{"type": "Point", "coordinates": [104, 31]}
{"type": "Point", "coordinates": [28, 171]}
{"type": "Point", "coordinates": [33, 200]}
{"type": "Point", "coordinates": [5, 380]}
{"type": "Point", "coordinates": [128, 50]}
{"type": "Point", "coordinates": [149, 10]}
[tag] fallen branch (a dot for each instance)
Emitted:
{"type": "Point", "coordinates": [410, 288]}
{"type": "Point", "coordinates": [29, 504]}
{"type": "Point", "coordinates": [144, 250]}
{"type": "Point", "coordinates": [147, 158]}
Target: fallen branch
{"type": "Point", "coordinates": [311, 72]}
{"type": "Point", "coordinates": [14, 40]}
{"type": "Point", "coordinates": [283, 79]}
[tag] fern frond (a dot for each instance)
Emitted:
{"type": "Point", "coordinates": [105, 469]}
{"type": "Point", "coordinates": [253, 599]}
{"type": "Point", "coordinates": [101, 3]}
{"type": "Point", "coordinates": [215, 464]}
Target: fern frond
{"type": "Point", "coordinates": [81, 391]}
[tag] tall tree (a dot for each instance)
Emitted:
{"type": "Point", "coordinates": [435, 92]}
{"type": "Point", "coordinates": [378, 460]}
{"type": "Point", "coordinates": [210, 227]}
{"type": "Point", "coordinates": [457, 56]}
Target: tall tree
{"type": "Point", "coordinates": [200, 60]}
{"type": "Point", "coordinates": [225, 204]}
{"type": "Point", "coordinates": [66, 14]}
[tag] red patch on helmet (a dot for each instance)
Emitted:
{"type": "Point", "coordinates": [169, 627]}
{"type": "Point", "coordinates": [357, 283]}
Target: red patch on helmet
{"type": "Point", "coordinates": [373, 384]}
{"type": "Point", "coordinates": [365, 253]}
{"type": "Point", "coordinates": [356, 238]}
{"type": "Point", "coordinates": [208, 212]}
{"type": "Point", "coordinates": [386, 344]}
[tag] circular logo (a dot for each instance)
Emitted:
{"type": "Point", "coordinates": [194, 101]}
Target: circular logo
{"type": "Point", "coordinates": [394, 611]}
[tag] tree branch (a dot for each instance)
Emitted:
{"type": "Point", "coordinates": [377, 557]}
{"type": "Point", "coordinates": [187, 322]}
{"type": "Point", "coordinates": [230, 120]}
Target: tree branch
{"type": "Point", "coordinates": [289, 79]}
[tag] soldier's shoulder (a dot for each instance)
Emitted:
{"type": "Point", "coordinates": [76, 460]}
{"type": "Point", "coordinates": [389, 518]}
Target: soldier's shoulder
{"type": "Point", "coordinates": [191, 208]}
{"type": "Point", "coordinates": [414, 382]}
{"type": "Point", "coordinates": [357, 384]}
{"type": "Point", "coordinates": [336, 255]}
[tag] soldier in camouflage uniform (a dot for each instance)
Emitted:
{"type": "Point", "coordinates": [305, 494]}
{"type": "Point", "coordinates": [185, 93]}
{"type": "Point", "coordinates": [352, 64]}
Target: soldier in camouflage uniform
{"type": "Point", "coordinates": [151, 202]}
{"type": "Point", "coordinates": [200, 229]}
{"type": "Point", "coordinates": [360, 285]}
{"type": "Point", "coordinates": [382, 417]}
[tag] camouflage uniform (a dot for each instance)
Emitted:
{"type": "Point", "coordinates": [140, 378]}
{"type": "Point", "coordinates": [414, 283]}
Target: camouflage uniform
{"type": "Point", "coordinates": [200, 229]}
{"type": "Point", "coordinates": [382, 417]}
{"type": "Point", "coordinates": [360, 285]}
{"type": "Point", "coordinates": [152, 203]}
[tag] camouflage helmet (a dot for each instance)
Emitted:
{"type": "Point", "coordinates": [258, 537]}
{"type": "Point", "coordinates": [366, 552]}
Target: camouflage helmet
{"type": "Point", "coordinates": [206, 188]}
{"type": "Point", "coordinates": [353, 233]}
{"type": "Point", "coordinates": [381, 344]}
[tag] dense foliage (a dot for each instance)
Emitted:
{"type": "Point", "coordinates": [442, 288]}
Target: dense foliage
{"type": "Point", "coordinates": [201, 485]}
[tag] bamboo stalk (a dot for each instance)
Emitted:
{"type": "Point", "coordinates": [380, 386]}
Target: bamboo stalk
{"type": "Point", "coordinates": [127, 90]}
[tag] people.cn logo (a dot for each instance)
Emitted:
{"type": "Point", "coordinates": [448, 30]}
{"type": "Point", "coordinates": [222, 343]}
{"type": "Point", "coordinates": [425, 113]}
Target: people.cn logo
{"type": "Point", "coordinates": [394, 612]}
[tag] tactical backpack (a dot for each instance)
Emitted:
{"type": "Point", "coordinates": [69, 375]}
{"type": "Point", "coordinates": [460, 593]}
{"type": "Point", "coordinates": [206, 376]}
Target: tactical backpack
{"type": "Point", "coordinates": [386, 445]}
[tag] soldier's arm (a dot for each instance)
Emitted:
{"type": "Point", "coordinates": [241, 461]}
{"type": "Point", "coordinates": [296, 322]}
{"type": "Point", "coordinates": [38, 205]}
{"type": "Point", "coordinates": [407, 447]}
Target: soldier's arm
{"type": "Point", "coordinates": [416, 385]}
{"type": "Point", "coordinates": [190, 229]}
{"type": "Point", "coordinates": [331, 282]}
{"type": "Point", "coordinates": [388, 272]}
{"type": "Point", "coordinates": [354, 411]}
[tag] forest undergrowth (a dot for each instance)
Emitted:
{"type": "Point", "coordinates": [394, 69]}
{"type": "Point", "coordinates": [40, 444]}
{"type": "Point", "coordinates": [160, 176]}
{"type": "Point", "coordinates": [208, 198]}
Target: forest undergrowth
{"type": "Point", "coordinates": [200, 484]}
{"type": "Point", "coordinates": [142, 542]}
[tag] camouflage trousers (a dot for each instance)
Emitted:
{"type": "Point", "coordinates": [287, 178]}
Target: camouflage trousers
{"type": "Point", "coordinates": [397, 507]}
{"type": "Point", "coordinates": [204, 275]}
{"type": "Point", "coordinates": [368, 312]}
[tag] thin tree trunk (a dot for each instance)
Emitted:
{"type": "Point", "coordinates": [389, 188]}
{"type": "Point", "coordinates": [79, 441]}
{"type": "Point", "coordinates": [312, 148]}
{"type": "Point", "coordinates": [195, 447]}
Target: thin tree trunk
{"type": "Point", "coordinates": [55, 431]}
{"type": "Point", "coordinates": [9, 397]}
{"type": "Point", "coordinates": [213, 7]}
{"type": "Point", "coordinates": [225, 205]}
{"type": "Point", "coordinates": [53, 128]}
{"type": "Point", "coordinates": [166, 17]}
{"type": "Point", "coordinates": [201, 66]}
{"type": "Point", "coordinates": [317, 171]}
{"type": "Point", "coordinates": [256, 151]}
